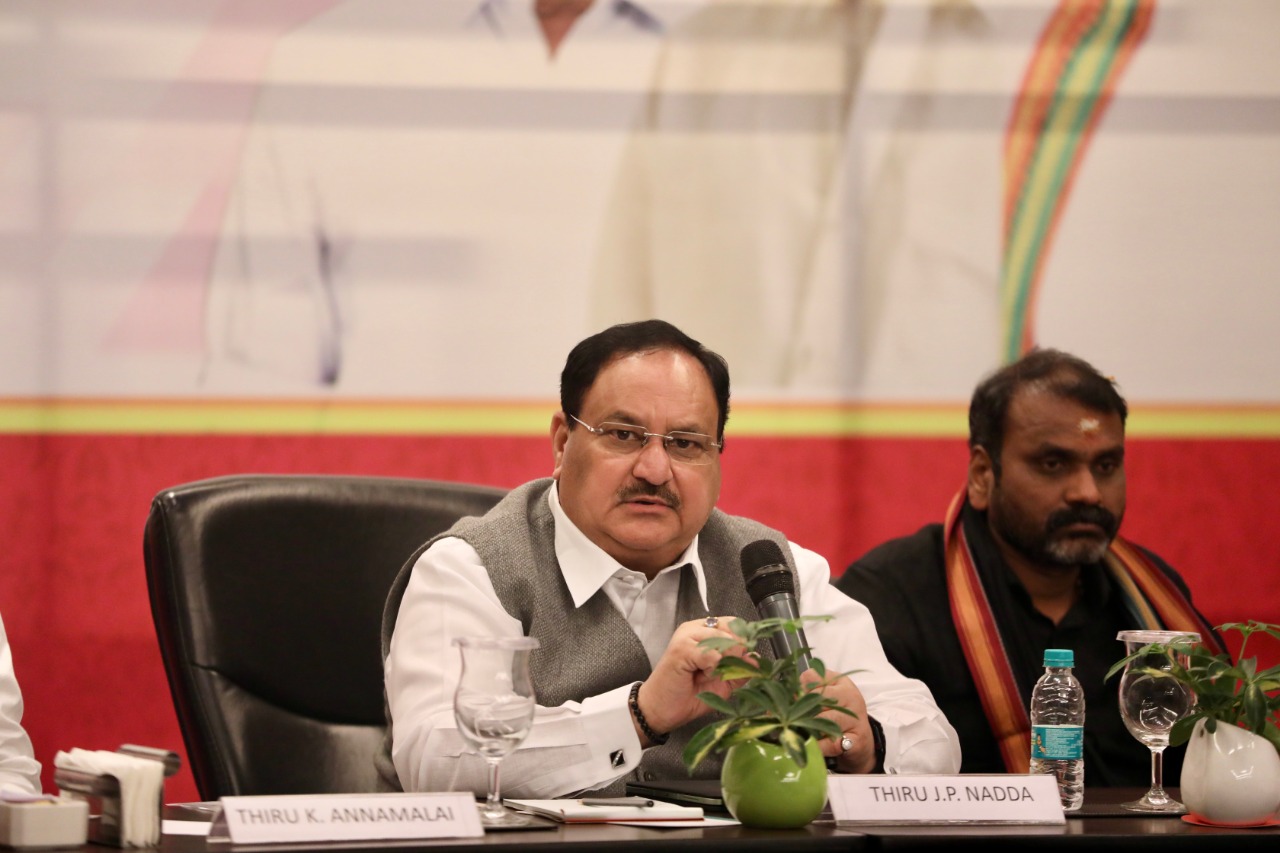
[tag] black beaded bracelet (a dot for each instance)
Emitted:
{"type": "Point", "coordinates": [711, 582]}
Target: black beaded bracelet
{"type": "Point", "coordinates": [878, 744]}
{"type": "Point", "coordinates": [634, 703]}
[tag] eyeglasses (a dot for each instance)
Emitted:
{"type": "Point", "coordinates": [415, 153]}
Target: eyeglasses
{"type": "Point", "coordinates": [692, 448]}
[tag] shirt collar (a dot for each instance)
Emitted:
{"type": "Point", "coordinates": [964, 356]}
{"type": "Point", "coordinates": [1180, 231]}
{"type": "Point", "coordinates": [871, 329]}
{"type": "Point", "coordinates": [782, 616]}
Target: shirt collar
{"type": "Point", "coordinates": [657, 17]}
{"type": "Point", "coordinates": [586, 567]}
{"type": "Point", "coordinates": [1095, 584]}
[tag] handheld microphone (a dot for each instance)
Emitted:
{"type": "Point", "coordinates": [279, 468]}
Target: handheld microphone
{"type": "Point", "coordinates": [773, 591]}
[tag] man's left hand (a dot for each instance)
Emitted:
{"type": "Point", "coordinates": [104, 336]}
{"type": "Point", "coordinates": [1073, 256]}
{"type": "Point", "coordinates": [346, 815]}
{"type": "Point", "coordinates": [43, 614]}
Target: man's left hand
{"type": "Point", "coordinates": [861, 756]}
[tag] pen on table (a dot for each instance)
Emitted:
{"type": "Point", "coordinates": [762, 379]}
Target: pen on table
{"type": "Point", "coordinates": [638, 802]}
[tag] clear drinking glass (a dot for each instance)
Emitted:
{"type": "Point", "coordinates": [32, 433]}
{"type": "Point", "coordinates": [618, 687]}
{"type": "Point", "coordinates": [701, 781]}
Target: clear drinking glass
{"type": "Point", "coordinates": [1150, 705]}
{"type": "Point", "coordinates": [493, 706]}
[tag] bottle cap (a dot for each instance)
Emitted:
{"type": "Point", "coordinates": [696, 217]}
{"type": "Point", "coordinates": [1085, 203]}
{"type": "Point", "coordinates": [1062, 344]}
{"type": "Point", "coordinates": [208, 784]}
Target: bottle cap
{"type": "Point", "coordinates": [1059, 657]}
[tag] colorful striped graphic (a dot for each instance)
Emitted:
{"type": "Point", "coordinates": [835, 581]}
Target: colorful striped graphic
{"type": "Point", "coordinates": [1071, 78]}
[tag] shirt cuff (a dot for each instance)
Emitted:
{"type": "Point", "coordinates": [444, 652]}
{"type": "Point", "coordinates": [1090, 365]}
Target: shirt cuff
{"type": "Point", "coordinates": [613, 735]}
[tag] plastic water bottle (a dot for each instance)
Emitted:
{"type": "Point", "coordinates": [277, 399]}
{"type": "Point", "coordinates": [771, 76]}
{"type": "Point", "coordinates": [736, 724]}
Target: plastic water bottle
{"type": "Point", "coordinates": [1057, 727]}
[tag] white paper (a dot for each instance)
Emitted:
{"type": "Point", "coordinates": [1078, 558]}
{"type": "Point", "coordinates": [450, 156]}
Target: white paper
{"type": "Point", "coordinates": [185, 827]}
{"type": "Point", "coordinates": [573, 811]}
{"type": "Point", "coordinates": [703, 823]}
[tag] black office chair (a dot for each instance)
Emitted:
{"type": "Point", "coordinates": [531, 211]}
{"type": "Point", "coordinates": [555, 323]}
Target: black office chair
{"type": "Point", "coordinates": [267, 594]}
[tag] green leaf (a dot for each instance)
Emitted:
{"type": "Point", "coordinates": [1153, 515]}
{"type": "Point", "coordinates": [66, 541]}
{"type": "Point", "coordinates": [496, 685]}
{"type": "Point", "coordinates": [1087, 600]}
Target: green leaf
{"type": "Point", "coordinates": [1254, 708]}
{"type": "Point", "coordinates": [754, 731]}
{"type": "Point", "coordinates": [1181, 731]}
{"type": "Point", "coordinates": [704, 741]}
{"type": "Point", "coordinates": [821, 727]}
{"type": "Point", "coordinates": [795, 745]}
{"type": "Point", "coordinates": [1118, 666]}
{"type": "Point", "coordinates": [729, 670]}
{"type": "Point", "coordinates": [717, 703]}
{"type": "Point", "coordinates": [1269, 681]}
{"type": "Point", "coordinates": [753, 700]}
{"type": "Point", "coordinates": [1272, 733]}
{"type": "Point", "coordinates": [718, 644]}
{"type": "Point", "coordinates": [780, 699]}
{"type": "Point", "coordinates": [810, 704]}
{"type": "Point", "coordinates": [743, 630]}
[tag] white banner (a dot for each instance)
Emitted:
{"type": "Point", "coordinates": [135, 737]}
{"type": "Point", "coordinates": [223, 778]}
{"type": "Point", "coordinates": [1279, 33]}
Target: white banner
{"type": "Point", "coordinates": [435, 200]}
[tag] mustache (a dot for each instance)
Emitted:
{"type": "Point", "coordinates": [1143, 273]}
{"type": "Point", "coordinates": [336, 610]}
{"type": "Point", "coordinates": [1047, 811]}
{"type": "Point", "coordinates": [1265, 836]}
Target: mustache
{"type": "Point", "coordinates": [1100, 516]}
{"type": "Point", "coordinates": [649, 490]}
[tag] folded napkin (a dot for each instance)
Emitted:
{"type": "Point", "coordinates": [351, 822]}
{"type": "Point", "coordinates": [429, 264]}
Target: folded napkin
{"type": "Point", "coordinates": [141, 786]}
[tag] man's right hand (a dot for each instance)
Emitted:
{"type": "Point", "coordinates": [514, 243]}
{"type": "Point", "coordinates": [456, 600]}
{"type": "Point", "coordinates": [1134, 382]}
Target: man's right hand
{"type": "Point", "coordinates": [669, 698]}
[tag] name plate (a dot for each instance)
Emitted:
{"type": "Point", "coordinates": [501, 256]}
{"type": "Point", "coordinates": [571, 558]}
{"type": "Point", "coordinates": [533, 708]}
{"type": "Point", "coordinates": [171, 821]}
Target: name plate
{"type": "Point", "coordinates": [966, 798]}
{"type": "Point", "coordinates": [346, 817]}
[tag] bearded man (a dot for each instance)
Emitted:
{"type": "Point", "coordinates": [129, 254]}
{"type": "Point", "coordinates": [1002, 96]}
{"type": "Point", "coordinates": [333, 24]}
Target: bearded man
{"type": "Point", "coordinates": [1028, 559]}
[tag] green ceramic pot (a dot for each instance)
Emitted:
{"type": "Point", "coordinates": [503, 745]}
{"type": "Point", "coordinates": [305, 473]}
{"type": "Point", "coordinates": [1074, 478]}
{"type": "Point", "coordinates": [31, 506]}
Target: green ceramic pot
{"type": "Point", "coordinates": [764, 788]}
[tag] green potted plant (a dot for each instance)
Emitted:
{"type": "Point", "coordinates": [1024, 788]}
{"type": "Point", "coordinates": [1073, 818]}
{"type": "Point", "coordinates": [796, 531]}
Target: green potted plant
{"type": "Point", "coordinates": [774, 774]}
{"type": "Point", "coordinates": [1231, 773]}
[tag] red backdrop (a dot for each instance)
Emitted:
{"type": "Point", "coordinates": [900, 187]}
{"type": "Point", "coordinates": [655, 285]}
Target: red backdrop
{"type": "Point", "coordinates": [73, 593]}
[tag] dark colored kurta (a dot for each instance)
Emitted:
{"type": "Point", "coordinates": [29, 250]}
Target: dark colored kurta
{"type": "Point", "coordinates": [903, 583]}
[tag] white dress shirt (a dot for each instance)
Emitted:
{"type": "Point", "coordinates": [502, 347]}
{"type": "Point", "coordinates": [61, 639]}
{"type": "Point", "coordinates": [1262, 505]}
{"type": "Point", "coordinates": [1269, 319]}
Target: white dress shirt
{"type": "Point", "coordinates": [570, 748]}
{"type": "Point", "coordinates": [19, 770]}
{"type": "Point", "coordinates": [413, 159]}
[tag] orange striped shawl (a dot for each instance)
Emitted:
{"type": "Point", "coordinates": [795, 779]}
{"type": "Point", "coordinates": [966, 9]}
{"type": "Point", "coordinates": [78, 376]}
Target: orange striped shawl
{"type": "Point", "coordinates": [1150, 594]}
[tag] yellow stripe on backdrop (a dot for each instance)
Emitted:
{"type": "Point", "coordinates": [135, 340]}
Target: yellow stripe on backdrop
{"type": "Point", "coordinates": [532, 418]}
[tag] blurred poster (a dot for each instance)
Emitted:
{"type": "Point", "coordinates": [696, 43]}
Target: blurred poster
{"type": "Point", "coordinates": [853, 201]}
{"type": "Point", "coordinates": [944, 184]}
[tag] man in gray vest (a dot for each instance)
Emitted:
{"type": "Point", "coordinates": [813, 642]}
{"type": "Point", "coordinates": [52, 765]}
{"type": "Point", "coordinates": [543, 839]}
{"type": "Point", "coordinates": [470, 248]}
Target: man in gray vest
{"type": "Point", "coordinates": [619, 564]}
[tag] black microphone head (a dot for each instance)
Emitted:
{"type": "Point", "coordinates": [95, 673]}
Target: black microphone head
{"type": "Point", "coordinates": [765, 571]}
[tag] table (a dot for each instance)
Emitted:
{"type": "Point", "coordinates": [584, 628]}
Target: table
{"type": "Point", "coordinates": [574, 839]}
{"type": "Point", "coordinates": [1098, 827]}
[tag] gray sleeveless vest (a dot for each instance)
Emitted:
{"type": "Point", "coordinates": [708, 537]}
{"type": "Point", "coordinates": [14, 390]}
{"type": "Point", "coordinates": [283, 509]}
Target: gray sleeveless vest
{"type": "Point", "coordinates": [591, 649]}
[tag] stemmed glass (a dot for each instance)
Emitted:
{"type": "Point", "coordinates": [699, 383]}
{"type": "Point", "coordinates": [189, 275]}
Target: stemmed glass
{"type": "Point", "coordinates": [493, 706]}
{"type": "Point", "coordinates": [1150, 704]}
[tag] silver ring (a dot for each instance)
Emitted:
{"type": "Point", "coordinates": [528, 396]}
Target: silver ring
{"type": "Point", "coordinates": [711, 622]}
{"type": "Point", "coordinates": [846, 743]}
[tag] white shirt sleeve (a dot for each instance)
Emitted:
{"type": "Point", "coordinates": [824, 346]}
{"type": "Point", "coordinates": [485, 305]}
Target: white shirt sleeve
{"type": "Point", "coordinates": [918, 738]}
{"type": "Point", "coordinates": [19, 770]}
{"type": "Point", "coordinates": [575, 747]}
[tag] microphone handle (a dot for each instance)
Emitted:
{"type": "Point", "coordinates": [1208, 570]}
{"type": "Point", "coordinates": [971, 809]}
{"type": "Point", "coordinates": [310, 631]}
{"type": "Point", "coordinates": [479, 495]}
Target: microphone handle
{"type": "Point", "coordinates": [782, 605]}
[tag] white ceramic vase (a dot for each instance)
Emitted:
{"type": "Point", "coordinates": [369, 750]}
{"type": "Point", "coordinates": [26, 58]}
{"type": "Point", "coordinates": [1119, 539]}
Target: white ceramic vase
{"type": "Point", "coordinates": [1230, 776]}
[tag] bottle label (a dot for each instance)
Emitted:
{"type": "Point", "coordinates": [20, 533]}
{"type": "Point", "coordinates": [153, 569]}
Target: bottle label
{"type": "Point", "coordinates": [1057, 743]}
